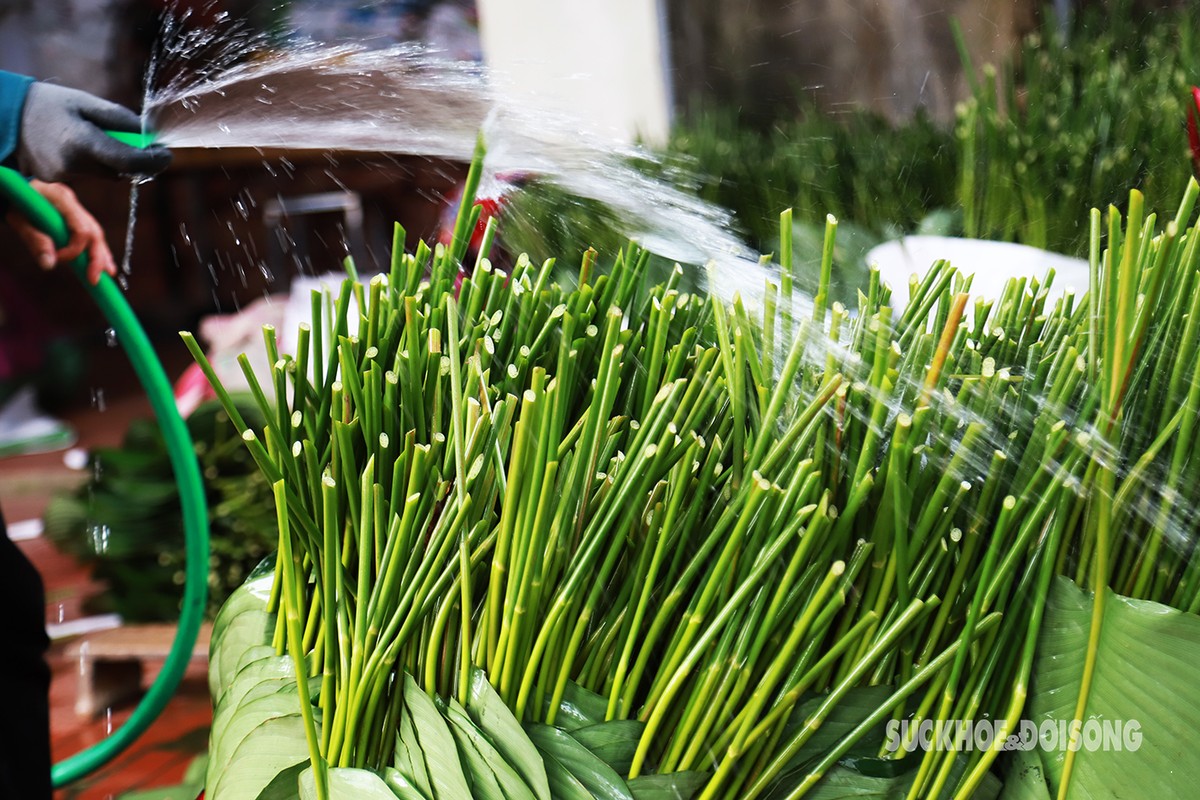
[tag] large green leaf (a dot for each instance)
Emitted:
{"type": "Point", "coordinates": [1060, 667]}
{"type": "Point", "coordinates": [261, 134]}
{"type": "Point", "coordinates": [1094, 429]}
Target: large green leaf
{"type": "Point", "coordinates": [268, 698]}
{"type": "Point", "coordinates": [673, 786]}
{"type": "Point", "coordinates": [253, 594]}
{"type": "Point", "coordinates": [401, 786]}
{"type": "Point", "coordinates": [255, 653]}
{"type": "Point", "coordinates": [224, 712]}
{"type": "Point", "coordinates": [275, 745]}
{"type": "Point", "coordinates": [614, 741]}
{"type": "Point", "coordinates": [242, 623]}
{"type": "Point", "coordinates": [481, 755]}
{"type": "Point", "coordinates": [435, 744]}
{"type": "Point", "coordinates": [1026, 778]}
{"type": "Point", "coordinates": [1144, 681]}
{"type": "Point", "coordinates": [409, 761]}
{"type": "Point", "coordinates": [268, 681]}
{"type": "Point", "coordinates": [487, 765]}
{"type": "Point", "coordinates": [564, 785]}
{"type": "Point", "coordinates": [283, 786]}
{"type": "Point", "coordinates": [258, 664]}
{"type": "Point", "coordinates": [347, 784]}
{"type": "Point", "coordinates": [601, 780]}
{"type": "Point", "coordinates": [579, 708]}
{"type": "Point", "coordinates": [251, 628]}
{"type": "Point", "coordinates": [493, 717]}
{"type": "Point", "coordinates": [228, 741]}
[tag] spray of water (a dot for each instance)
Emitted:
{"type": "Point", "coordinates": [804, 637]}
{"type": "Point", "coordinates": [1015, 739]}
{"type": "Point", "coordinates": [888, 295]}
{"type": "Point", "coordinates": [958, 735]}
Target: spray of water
{"type": "Point", "coordinates": [251, 93]}
{"type": "Point", "coordinates": [405, 100]}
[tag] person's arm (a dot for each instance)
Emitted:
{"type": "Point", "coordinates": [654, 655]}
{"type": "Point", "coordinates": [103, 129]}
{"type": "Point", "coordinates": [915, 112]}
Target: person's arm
{"type": "Point", "coordinates": [86, 233]}
{"type": "Point", "coordinates": [13, 89]}
{"type": "Point", "coordinates": [49, 132]}
{"type": "Point", "coordinates": [54, 132]}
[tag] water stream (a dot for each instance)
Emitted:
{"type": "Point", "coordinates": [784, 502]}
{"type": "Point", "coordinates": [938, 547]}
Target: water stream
{"type": "Point", "coordinates": [403, 100]}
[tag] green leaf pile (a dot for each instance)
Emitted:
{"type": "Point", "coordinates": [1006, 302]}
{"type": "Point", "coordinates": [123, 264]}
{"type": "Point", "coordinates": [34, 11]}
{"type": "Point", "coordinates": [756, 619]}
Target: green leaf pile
{"type": "Point", "coordinates": [125, 519]}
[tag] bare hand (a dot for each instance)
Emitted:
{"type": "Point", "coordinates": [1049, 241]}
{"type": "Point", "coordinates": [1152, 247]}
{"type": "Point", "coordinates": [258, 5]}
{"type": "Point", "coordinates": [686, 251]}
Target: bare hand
{"type": "Point", "coordinates": [86, 233]}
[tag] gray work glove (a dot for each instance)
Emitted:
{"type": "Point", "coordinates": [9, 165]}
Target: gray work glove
{"type": "Point", "coordinates": [63, 133]}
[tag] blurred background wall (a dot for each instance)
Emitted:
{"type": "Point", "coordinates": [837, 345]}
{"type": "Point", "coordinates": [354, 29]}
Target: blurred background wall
{"type": "Point", "coordinates": [892, 56]}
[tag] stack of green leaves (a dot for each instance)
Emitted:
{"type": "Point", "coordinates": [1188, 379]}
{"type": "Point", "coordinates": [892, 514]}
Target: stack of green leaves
{"type": "Point", "coordinates": [853, 164]}
{"type": "Point", "coordinates": [695, 549]}
{"type": "Point", "coordinates": [125, 519]}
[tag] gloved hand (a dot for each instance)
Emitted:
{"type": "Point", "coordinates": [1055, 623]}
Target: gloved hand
{"type": "Point", "coordinates": [62, 133]}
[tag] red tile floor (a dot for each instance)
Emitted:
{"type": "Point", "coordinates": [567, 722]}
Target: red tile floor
{"type": "Point", "coordinates": [161, 755]}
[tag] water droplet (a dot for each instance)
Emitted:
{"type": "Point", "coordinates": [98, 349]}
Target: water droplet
{"type": "Point", "coordinates": [108, 726]}
{"type": "Point", "coordinates": [126, 266]}
{"type": "Point", "coordinates": [110, 337]}
{"type": "Point", "coordinates": [98, 400]}
{"type": "Point", "coordinates": [99, 534]}
{"type": "Point", "coordinates": [62, 612]}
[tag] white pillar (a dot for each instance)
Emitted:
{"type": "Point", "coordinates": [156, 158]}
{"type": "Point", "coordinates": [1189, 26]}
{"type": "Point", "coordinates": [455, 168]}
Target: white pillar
{"type": "Point", "coordinates": [603, 61]}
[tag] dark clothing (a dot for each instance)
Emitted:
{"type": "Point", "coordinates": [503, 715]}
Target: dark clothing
{"type": "Point", "coordinates": [25, 731]}
{"type": "Point", "coordinates": [13, 89]}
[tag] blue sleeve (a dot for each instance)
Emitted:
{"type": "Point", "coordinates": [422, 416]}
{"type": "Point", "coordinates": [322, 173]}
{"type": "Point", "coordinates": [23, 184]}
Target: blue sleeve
{"type": "Point", "coordinates": [13, 88]}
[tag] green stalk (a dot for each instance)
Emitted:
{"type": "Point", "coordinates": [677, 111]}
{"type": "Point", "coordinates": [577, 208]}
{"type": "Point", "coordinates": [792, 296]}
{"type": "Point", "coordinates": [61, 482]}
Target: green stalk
{"type": "Point", "coordinates": [460, 471]}
{"type": "Point", "coordinates": [787, 272]}
{"type": "Point", "coordinates": [291, 605]}
{"type": "Point", "coordinates": [821, 301]}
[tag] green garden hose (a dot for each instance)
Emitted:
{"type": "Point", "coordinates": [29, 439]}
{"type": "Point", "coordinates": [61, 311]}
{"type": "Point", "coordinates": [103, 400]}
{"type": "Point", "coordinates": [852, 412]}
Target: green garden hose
{"type": "Point", "coordinates": [42, 215]}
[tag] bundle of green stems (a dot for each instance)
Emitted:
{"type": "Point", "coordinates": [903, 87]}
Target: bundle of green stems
{"type": "Point", "coordinates": [724, 518]}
